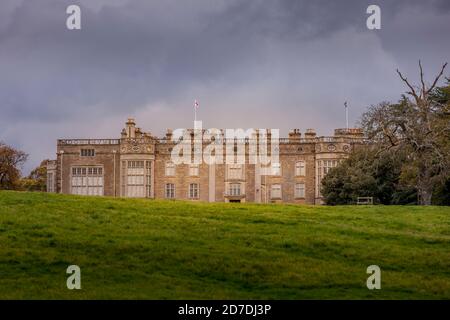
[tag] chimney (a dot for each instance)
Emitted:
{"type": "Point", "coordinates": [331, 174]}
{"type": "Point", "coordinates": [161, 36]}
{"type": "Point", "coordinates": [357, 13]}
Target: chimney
{"type": "Point", "coordinates": [310, 134]}
{"type": "Point", "coordinates": [138, 133]}
{"type": "Point", "coordinates": [169, 134]}
{"type": "Point", "coordinates": [294, 135]}
{"type": "Point", "coordinates": [131, 128]}
{"type": "Point", "coordinates": [350, 132]}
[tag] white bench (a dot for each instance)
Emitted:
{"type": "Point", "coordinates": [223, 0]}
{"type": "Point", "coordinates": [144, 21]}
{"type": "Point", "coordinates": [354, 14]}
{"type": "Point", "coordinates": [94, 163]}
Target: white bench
{"type": "Point", "coordinates": [364, 200]}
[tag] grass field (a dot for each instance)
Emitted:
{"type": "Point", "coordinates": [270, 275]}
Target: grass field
{"type": "Point", "coordinates": [146, 249]}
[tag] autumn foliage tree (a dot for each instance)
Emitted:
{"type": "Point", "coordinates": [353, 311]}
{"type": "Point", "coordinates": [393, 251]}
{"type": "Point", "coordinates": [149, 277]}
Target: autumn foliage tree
{"type": "Point", "coordinates": [10, 161]}
{"type": "Point", "coordinates": [36, 180]}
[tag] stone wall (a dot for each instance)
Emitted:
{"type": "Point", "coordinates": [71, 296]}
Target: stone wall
{"type": "Point", "coordinates": [112, 154]}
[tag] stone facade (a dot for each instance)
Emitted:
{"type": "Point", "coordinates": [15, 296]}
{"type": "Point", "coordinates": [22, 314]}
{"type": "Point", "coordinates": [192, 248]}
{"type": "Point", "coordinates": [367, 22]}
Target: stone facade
{"type": "Point", "coordinates": [139, 165]}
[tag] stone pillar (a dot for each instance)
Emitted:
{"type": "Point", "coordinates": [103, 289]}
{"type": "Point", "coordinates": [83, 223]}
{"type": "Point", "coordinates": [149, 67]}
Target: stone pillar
{"type": "Point", "coordinates": [61, 171]}
{"type": "Point", "coordinates": [212, 183]}
{"type": "Point", "coordinates": [258, 183]}
{"type": "Point", "coordinates": [131, 128]}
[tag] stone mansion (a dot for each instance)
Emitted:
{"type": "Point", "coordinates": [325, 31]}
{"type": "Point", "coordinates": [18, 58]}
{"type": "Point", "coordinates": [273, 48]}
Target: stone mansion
{"type": "Point", "coordinates": [139, 165]}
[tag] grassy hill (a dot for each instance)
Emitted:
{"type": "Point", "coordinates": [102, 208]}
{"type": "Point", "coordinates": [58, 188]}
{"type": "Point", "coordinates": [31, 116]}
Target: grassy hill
{"type": "Point", "coordinates": [145, 249]}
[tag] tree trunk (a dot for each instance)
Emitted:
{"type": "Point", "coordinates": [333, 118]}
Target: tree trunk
{"type": "Point", "coordinates": [424, 187]}
{"type": "Point", "coordinates": [425, 197]}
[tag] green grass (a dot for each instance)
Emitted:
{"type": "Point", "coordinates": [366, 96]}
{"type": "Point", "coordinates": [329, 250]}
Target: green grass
{"type": "Point", "coordinates": [147, 249]}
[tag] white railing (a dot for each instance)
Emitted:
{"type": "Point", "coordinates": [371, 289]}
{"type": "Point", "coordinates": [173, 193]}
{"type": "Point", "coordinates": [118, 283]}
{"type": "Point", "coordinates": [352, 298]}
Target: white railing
{"type": "Point", "coordinates": [243, 141]}
{"type": "Point", "coordinates": [87, 141]}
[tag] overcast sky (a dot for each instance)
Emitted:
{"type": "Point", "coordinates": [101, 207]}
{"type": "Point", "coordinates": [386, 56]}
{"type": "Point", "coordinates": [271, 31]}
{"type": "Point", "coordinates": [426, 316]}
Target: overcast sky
{"type": "Point", "coordinates": [250, 63]}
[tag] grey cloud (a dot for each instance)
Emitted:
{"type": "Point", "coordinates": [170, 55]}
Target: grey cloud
{"type": "Point", "coordinates": [284, 64]}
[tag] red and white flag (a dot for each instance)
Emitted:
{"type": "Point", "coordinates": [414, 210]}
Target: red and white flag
{"type": "Point", "coordinates": [196, 104]}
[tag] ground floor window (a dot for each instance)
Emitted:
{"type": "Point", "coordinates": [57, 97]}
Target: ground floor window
{"type": "Point", "coordinates": [322, 168]}
{"type": "Point", "coordinates": [87, 181]}
{"type": "Point", "coordinates": [193, 191]}
{"type": "Point", "coordinates": [136, 178]}
{"type": "Point", "coordinates": [50, 182]}
{"type": "Point", "coordinates": [170, 190]}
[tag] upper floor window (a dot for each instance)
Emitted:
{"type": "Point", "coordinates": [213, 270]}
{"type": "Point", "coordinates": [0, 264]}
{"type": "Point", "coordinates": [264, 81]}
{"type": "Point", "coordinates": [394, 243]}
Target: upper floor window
{"type": "Point", "coordinates": [276, 169]}
{"type": "Point", "coordinates": [95, 171]}
{"type": "Point", "coordinates": [87, 152]}
{"type": "Point", "coordinates": [193, 170]}
{"type": "Point", "coordinates": [135, 164]}
{"type": "Point", "coordinates": [275, 191]}
{"type": "Point", "coordinates": [170, 190]}
{"type": "Point", "coordinates": [170, 169]}
{"type": "Point", "coordinates": [234, 171]}
{"type": "Point", "coordinates": [193, 191]}
{"type": "Point", "coordinates": [299, 190]}
{"type": "Point", "coordinates": [84, 171]}
{"type": "Point", "coordinates": [300, 168]}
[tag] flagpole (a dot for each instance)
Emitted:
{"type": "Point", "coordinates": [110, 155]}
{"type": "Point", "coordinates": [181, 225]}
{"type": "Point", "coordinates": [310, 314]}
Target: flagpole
{"type": "Point", "coordinates": [195, 110]}
{"type": "Point", "coordinates": [346, 113]}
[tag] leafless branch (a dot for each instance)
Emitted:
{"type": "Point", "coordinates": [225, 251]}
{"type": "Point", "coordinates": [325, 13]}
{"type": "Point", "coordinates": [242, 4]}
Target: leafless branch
{"type": "Point", "coordinates": [412, 92]}
{"type": "Point", "coordinates": [421, 80]}
{"type": "Point", "coordinates": [384, 149]}
{"type": "Point", "coordinates": [437, 78]}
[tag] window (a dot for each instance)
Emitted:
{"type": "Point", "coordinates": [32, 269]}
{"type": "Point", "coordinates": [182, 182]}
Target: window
{"type": "Point", "coordinates": [235, 189]}
{"type": "Point", "coordinates": [300, 168]}
{"type": "Point", "coordinates": [50, 182]}
{"type": "Point", "coordinates": [327, 165]}
{"type": "Point", "coordinates": [234, 171]}
{"type": "Point", "coordinates": [323, 167]}
{"type": "Point", "coordinates": [193, 170]}
{"type": "Point", "coordinates": [193, 191]}
{"type": "Point", "coordinates": [275, 191]}
{"type": "Point", "coordinates": [276, 169]}
{"type": "Point", "coordinates": [87, 181]}
{"type": "Point", "coordinates": [148, 180]}
{"type": "Point", "coordinates": [299, 190]}
{"type": "Point", "coordinates": [136, 178]}
{"type": "Point", "coordinates": [170, 190]}
{"type": "Point", "coordinates": [170, 169]}
{"type": "Point", "coordinates": [87, 152]}
{"type": "Point", "coordinates": [123, 178]}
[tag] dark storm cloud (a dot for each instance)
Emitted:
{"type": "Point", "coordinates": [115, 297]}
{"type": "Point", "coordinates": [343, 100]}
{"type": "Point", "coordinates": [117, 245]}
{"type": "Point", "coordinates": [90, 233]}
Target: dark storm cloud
{"type": "Point", "coordinates": [279, 64]}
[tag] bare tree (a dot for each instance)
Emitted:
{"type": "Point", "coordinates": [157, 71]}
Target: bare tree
{"type": "Point", "coordinates": [419, 125]}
